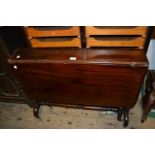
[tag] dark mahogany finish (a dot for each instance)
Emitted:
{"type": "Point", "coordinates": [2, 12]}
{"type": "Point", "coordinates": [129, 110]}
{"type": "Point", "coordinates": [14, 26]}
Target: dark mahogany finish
{"type": "Point", "coordinates": [98, 78]}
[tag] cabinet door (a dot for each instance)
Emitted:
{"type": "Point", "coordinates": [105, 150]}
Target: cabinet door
{"type": "Point", "coordinates": [7, 87]}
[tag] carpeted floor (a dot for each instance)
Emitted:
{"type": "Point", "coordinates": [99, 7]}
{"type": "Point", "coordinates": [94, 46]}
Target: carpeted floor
{"type": "Point", "coordinates": [21, 116]}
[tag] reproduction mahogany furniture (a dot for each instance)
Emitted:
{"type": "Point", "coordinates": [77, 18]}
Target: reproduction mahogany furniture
{"type": "Point", "coordinates": [84, 77]}
{"type": "Point", "coordinates": [105, 74]}
{"type": "Point", "coordinates": [149, 97]}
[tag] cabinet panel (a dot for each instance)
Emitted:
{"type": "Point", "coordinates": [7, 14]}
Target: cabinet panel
{"type": "Point", "coordinates": [52, 31]}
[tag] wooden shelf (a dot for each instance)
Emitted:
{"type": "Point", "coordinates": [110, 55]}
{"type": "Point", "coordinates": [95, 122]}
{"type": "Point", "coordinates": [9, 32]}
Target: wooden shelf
{"type": "Point", "coordinates": [52, 31]}
{"type": "Point", "coordinates": [115, 42]}
{"type": "Point", "coordinates": [115, 30]}
{"type": "Point", "coordinates": [55, 42]}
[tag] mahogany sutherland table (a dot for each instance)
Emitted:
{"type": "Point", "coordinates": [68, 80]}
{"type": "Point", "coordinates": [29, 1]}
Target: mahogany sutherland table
{"type": "Point", "coordinates": [91, 78]}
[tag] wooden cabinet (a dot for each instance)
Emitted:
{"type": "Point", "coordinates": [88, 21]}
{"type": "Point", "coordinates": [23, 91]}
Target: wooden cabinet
{"type": "Point", "coordinates": [53, 36]}
{"type": "Point", "coordinates": [116, 36]}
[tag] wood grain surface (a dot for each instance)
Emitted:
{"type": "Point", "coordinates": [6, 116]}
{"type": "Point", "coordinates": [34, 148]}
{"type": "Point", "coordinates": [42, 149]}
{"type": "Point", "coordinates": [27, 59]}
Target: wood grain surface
{"type": "Point", "coordinates": [89, 81]}
{"type": "Point", "coordinates": [115, 30]}
{"type": "Point", "coordinates": [52, 31]}
{"type": "Point", "coordinates": [55, 42]}
{"type": "Point", "coordinates": [115, 42]}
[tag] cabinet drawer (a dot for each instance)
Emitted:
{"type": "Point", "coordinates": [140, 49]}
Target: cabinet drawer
{"type": "Point", "coordinates": [115, 42]}
{"type": "Point", "coordinates": [115, 30]}
{"type": "Point", "coordinates": [7, 87]}
{"type": "Point", "coordinates": [55, 42]}
{"type": "Point", "coordinates": [43, 31]}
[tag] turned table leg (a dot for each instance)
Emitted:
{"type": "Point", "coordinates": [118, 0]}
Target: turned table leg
{"type": "Point", "coordinates": [36, 108]}
{"type": "Point", "coordinates": [125, 117]}
{"type": "Point", "coordinates": [119, 114]}
{"type": "Point", "coordinates": [125, 114]}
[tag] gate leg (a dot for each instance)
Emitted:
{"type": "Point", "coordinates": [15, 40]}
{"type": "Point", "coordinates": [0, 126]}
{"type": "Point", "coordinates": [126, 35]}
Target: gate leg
{"type": "Point", "coordinates": [36, 108]}
{"type": "Point", "coordinates": [119, 114]}
{"type": "Point", "coordinates": [125, 117]}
